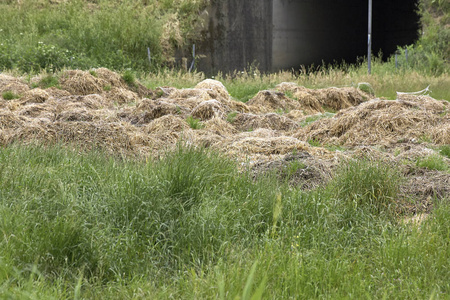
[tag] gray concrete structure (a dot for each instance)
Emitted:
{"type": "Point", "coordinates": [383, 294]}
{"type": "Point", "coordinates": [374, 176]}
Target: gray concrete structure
{"type": "Point", "coordinates": [285, 34]}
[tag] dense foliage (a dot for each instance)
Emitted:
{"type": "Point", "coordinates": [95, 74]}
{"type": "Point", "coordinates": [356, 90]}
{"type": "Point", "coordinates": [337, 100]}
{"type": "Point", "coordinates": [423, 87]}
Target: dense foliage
{"type": "Point", "coordinates": [50, 35]}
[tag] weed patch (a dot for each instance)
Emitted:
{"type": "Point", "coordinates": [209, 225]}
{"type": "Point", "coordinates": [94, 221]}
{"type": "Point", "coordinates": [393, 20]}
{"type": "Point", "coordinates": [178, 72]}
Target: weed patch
{"type": "Point", "coordinates": [432, 162]}
{"type": "Point", "coordinates": [8, 95]}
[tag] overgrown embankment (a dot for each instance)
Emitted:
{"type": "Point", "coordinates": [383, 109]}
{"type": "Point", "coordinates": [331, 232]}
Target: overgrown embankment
{"type": "Point", "coordinates": [50, 35]}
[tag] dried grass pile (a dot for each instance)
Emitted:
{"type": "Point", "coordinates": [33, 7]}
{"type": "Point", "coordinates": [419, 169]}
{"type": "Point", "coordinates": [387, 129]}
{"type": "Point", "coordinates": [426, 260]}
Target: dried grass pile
{"type": "Point", "coordinates": [112, 137]}
{"type": "Point", "coordinates": [35, 96]}
{"type": "Point", "coordinates": [246, 122]}
{"type": "Point", "coordinates": [261, 141]}
{"type": "Point", "coordinates": [149, 110]}
{"type": "Point", "coordinates": [112, 78]}
{"type": "Point", "coordinates": [216, 86]}
{"type": "Point", "coordinates": [219, 127]}
{"type": "Point", "coordinates": [210, 109]}
{"type": "Point", "coordinates": [79, 82]}
{"type": "Point", "coordinates": [314, 101]}
{"type": "Point", "coordinates": [167, 123]}
{"type": "Point", "coordinates": [270, 101]}
{"type": "Point", "coordinates": [12, 84]}
{"type": "Point", "coordinates": [120, 95]}
{"type": "Point", "coordinates": [382, 122]}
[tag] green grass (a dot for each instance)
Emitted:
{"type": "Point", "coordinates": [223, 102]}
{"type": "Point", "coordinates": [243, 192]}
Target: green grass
{"type": "Point", "coordinates": [366, 184]}
{"type": "Point", "coordinates": [88, 34]}
{"type": "Point", "coordinates": [8, 95]}
{"type": "Point", "coordinates": [445, 150]}
{"type": "Point", "coordinates": [194, 123]}
{"type": "Point", "coordinates": [191, 226]}
{"type": "Point", "coordinates": [433, 162]}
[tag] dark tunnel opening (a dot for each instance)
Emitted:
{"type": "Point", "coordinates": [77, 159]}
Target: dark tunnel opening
{"type": "Point", "coordinates": [309, 32]}
{"type": "Point", "coordinates": [286, 34]}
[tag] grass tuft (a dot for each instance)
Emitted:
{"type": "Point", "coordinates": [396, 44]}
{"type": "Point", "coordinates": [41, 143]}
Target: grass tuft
{"type": "Point", "coordinates": [367, 184]}
{"type": "Point", "coordinates": [9, 95]}
{"type": "Point", "coordinates": [432, 162]}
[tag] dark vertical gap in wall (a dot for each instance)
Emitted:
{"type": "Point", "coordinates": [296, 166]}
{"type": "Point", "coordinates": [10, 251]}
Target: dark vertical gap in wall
{"type": "Point", "coordinates": [285, 34]}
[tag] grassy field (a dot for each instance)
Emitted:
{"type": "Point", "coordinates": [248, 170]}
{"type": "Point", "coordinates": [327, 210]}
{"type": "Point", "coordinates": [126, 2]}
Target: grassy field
{"type": "Point", "coordinates": [246, 84]}
{"type": "Point", "coordinates": [190, 226]}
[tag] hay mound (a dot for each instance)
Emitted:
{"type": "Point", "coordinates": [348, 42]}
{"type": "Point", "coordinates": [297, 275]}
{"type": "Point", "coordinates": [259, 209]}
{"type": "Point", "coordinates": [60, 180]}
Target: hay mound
{"type": "Point", "coordinates": [91, 101]}
{"type": "Point", "coordinates": [246, 122]}
{"type": "Point", "coordinates": [340, 98]}
{"type": "Point", "coordinates": [111, 137]}
{"type": "Point", "coordinates": [35, 96]}
{"type": "Point", "coordinates": [300, 169]}
{"type": "Point", "coordinates": [12, 84]}
{"type": "Point", "coordinates": [57, 93]}
{"type": "Point", "coordinates": [167, 123]}
{"type": "Point", "coordinates": [149, 110]}
{"type": "Point", "coordinates": [121, 95]}
{"type": "Point", "coordinates": [331, 98]}
{"type": "Point", "coordinates": [381, 122]}
{"type": "Point", "coordinates": [190, 98]}
{"type": "Point", "coordinates": [219, 127]}
{"type": "Point", "coordinates": [295, 115]}
{"type": "Point", "coordinates": [112, 78]}
{"type": "Point", "coordinates": [210, 109]}
{"type": "Point", "coordinates": [78, 114]}
{"type": "Point", "coordinates": [270, 101]}
{"type": "Point", "coordinates": [79, 82]}
{"type": "Point", "coordinates": [217, 86]}
{"type": "Point", "coordinates": [242, 145]}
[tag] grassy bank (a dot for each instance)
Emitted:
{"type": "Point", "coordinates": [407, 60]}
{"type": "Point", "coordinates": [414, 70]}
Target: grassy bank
{"type": "Point", "coordinates": [245, 85]}
{"type": "Point", "coordinates": [191, 226]}
{"type": "Point", "coordinates": [50, 35]}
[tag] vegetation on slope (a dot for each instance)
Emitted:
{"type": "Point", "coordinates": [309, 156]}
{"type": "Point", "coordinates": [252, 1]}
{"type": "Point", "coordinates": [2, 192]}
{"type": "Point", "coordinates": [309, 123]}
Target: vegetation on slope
{"type": "Point", "coordinates": [50, 35]}
{"type": "Point", "coordinates": [191, 226]}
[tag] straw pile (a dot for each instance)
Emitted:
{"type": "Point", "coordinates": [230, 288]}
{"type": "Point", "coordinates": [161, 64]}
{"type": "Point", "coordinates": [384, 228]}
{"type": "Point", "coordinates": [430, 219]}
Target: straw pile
{"type": "Point", "coordinates": [382, 122]}
{"type": "Point", "coordinates": [79, 82]}
{"type": "Point", "coordinates": [121, 120]}
{"type": "Point", "coordinates": [12, 84]}
{"type": "Point", "coordinates": [246, 122]}
{"type": "Point", "coordinates": [330, 98]}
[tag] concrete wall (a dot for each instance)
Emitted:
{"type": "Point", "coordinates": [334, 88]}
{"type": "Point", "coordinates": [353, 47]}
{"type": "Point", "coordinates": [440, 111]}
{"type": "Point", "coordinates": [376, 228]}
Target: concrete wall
{"type": "Point", "coordinates": [285, 34]}
{"type": "Point", "coordinates": [239, 34]}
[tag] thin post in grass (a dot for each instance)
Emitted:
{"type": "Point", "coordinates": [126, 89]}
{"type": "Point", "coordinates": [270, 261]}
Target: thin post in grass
{"type": "Point", "coordinates": [193, 58]}
{"type": "Point", "coordinates": [149, 56]}
{"type": "Point", "coordinates": [369, 39]}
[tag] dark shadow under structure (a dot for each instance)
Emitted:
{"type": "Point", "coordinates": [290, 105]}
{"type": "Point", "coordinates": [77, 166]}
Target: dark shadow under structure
{"type": "Point", "coordinates": [285, 34]}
